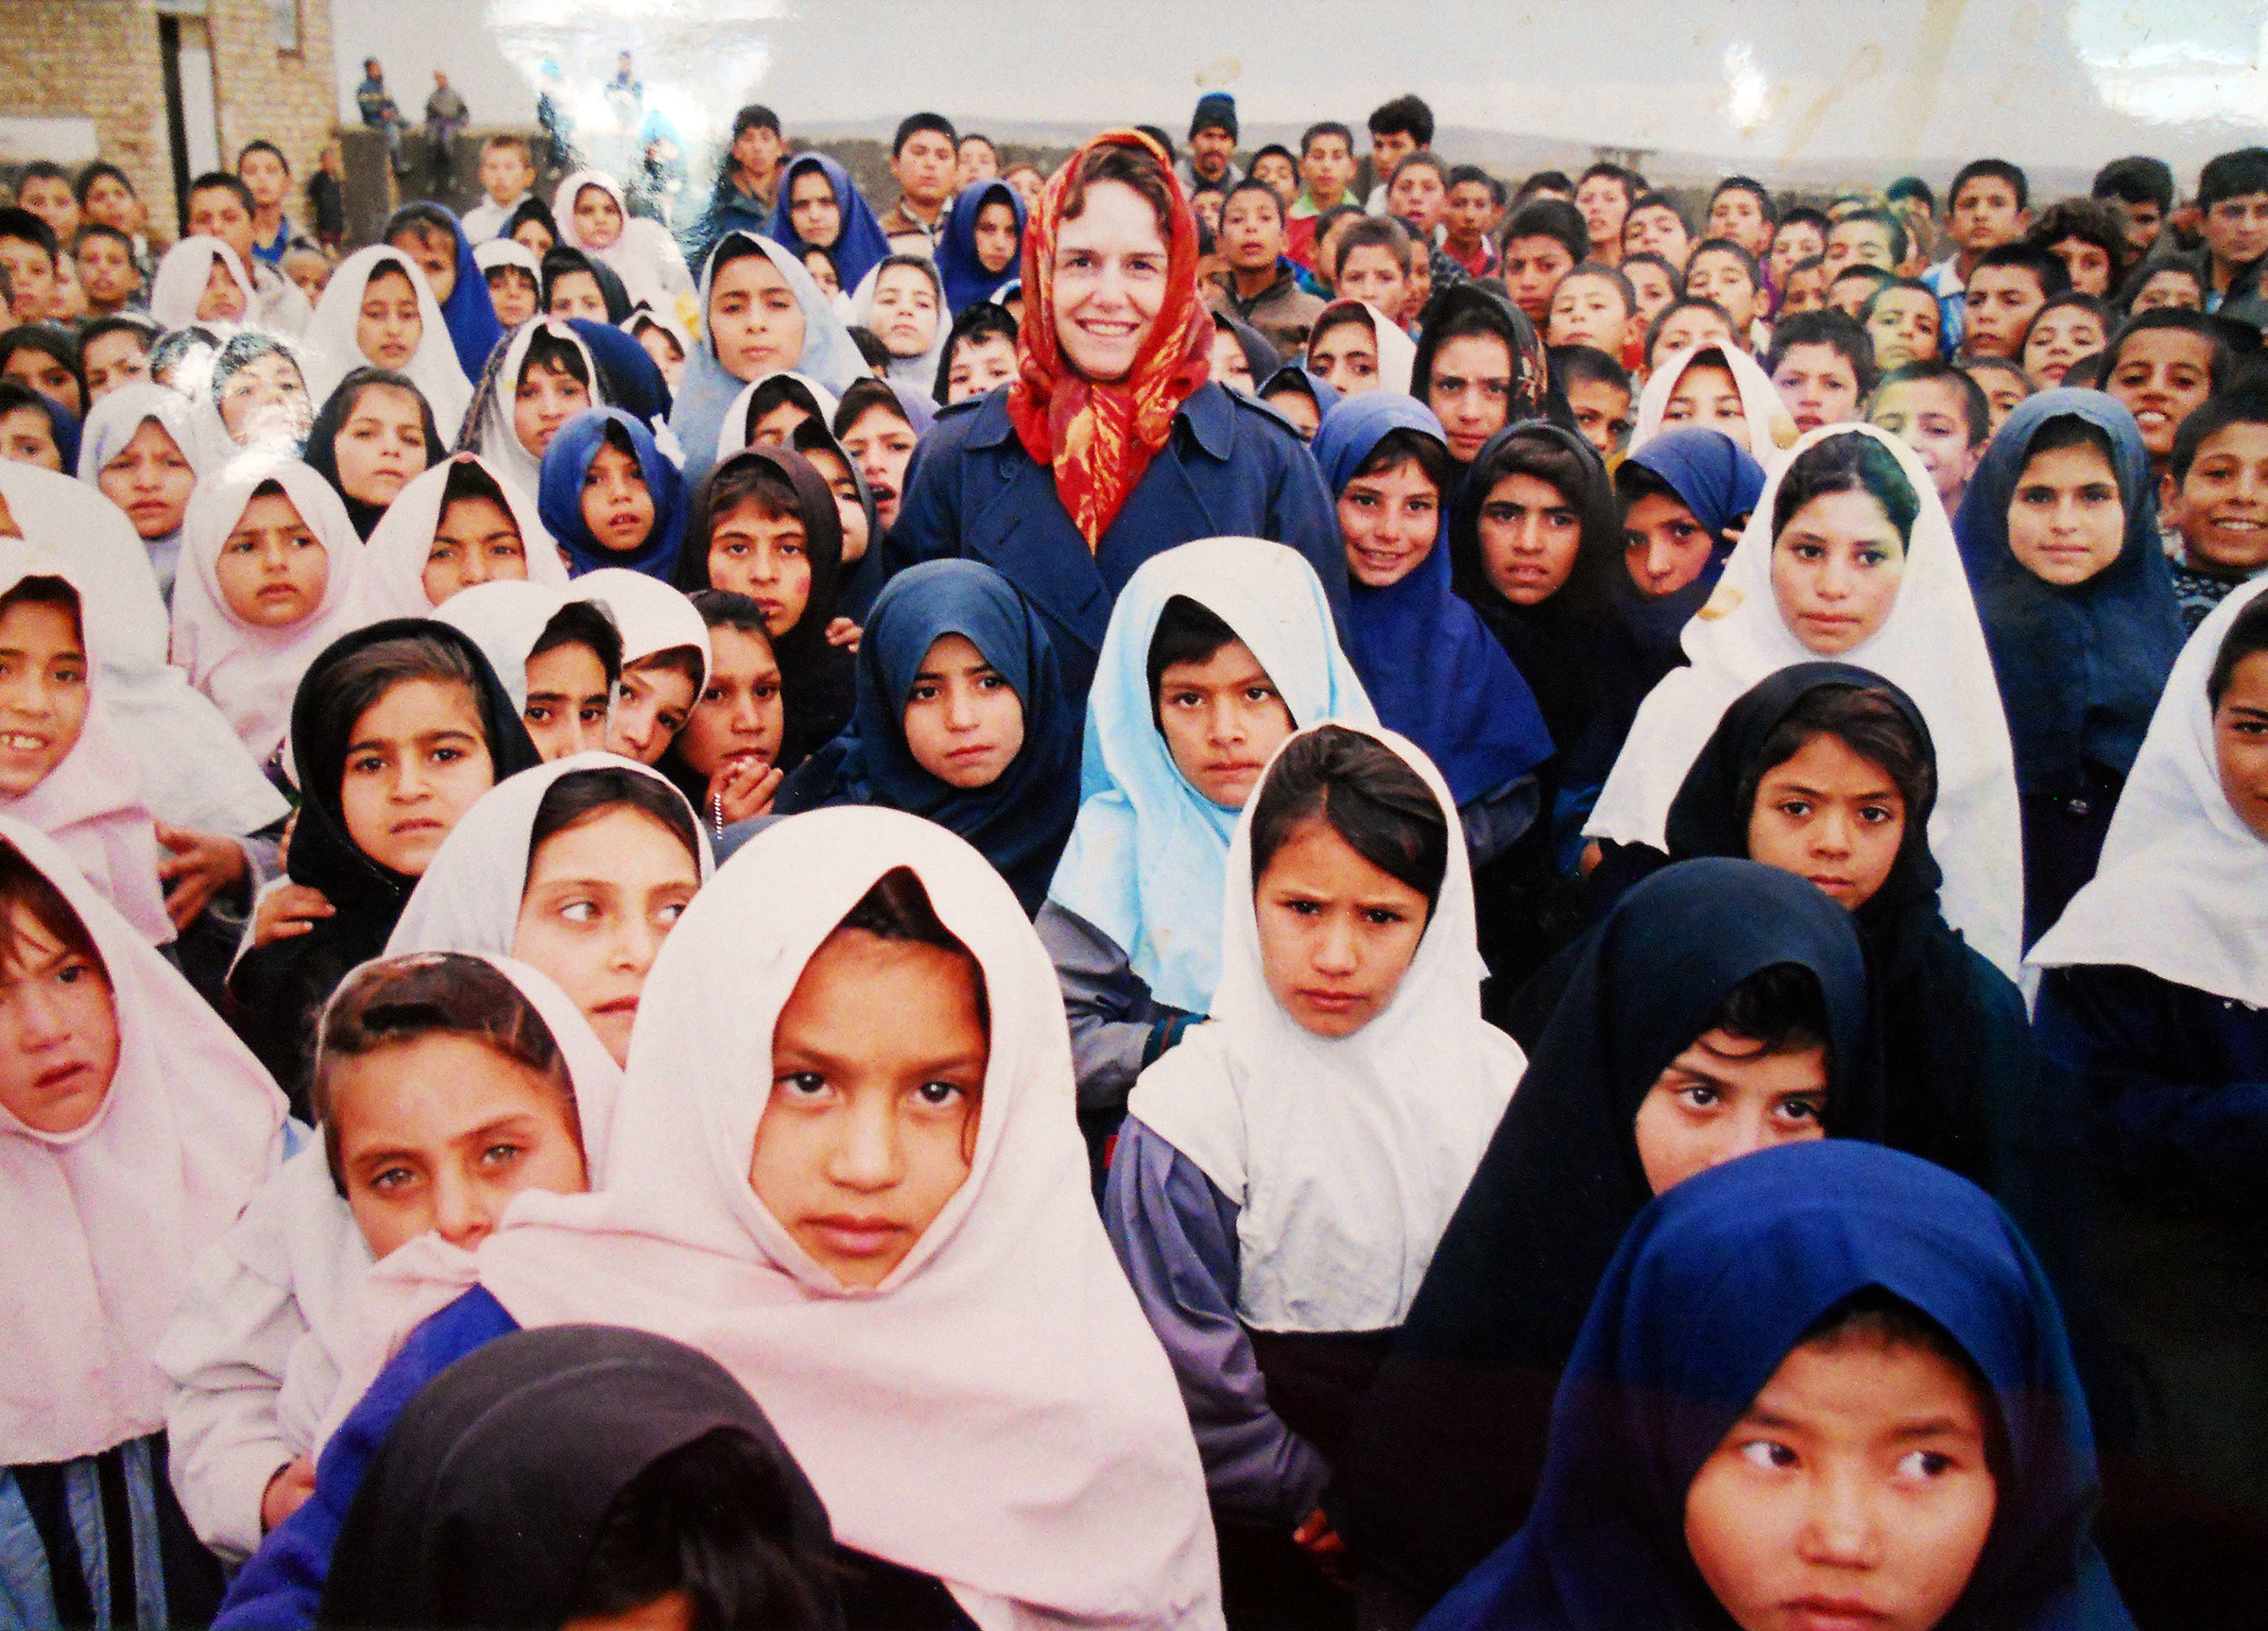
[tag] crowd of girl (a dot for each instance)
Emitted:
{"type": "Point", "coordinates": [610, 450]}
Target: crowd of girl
{"type": "Point", "coordinates": [1415, 984]}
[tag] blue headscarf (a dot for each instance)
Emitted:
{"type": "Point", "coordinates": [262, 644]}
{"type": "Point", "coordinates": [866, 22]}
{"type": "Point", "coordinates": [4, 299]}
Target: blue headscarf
{"type": "Point", "coordinates": [62, 424]}
{"type": "Point", "coordinates": [1714, 1285]}
{"type": "Point", "coordinates": [560, 496]}
{"type": "Point", "coordinates": [2081, 668]}
{"type": "Point", "coordinates": [1720, 483]}
{"type": "Point", "coordinates": [469, 314]}
{"type": "Point", "coordinates": [1021, 821]}
{"type": "Point", "coordinates": [1149, 859]}
{"type": "Point", "coordinates": [858, 247]}
{"type": "Point", "coordinates": [1434, 673]}
{"type": "Point", "coordinates": [633, 380]}
{"type": "Point", "coordinates": [966, 282]}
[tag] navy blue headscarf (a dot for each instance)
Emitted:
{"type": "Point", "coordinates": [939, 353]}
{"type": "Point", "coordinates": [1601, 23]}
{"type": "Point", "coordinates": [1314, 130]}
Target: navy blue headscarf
{"type": "Point", "coordinates": [966, 282]}
{"type": "Point", "coordinates": [62, 423]}
{"type": "Point", "coordinates": [1721, 485]}
{"type": "Point", "coordinates": [628, 374]}
{"type": "Point", "coordinates": [1433, 670]}
{"type": "Point", "coordinates": [2081, 668]}
{"type": "Point", "coordinates": [560, 496]}
{"type": "Point", "coordinates": [1714, 1285]}
{"type": "Point", "coordinates": [861, 242]}
{"type": "Point", "coordinates": [469, 314]}
{"type": "Point", "coordinates": [1023, 819]}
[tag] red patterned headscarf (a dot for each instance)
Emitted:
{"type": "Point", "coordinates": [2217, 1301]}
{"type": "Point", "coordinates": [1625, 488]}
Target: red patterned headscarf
{"type": "Point", "coordinates": [1099, 438]}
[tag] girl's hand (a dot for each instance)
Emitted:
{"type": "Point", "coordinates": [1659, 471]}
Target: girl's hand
{"type": "Point", "coordinates": [1321, 1543]}
{"type": "Point", "coordinates": [844, 632]}
{"type": "Point", "coordinates": [287, 910]}
{"type": "Point", "coordinates": [195, 867]}
{"type": "Point", "coordinates": [287, 1491]}
{"type": "Point", "coordinates": [742, 789]}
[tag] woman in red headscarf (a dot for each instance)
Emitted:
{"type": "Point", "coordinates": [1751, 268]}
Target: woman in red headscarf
{"type": "Point", "coordinates": [1111, 444]}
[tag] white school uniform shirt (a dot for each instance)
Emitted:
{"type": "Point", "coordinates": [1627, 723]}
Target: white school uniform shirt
{"type": "Point", "coordinates": [486, 219]}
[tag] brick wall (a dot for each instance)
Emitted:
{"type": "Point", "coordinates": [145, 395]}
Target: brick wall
{"type": "Point", "coordinates": [98, 60]}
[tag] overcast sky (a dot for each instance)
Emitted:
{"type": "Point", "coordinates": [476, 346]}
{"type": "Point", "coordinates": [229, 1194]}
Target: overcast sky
{"type": "Point", "coordinates": [1895, 82]}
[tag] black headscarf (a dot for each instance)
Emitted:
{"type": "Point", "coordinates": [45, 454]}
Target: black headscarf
{"type": "Point", "coordinates": [322, 436]}
{"type": "Point", "coordinates": [562, 261]}
{"type": "Point", "coordinates": [1259, 357]}
{"type": "Point", "coordinates": [1450, 1442]}
{"type": "Point", "coordinates": [484, 1504]}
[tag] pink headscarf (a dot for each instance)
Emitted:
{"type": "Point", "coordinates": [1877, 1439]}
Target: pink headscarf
{"type": "Point", "coordinates": [998, 1413]}
{"type": "Point", "coordinates": [91, 803]}
{"type": "Point", "coordinates": [104, 1223]}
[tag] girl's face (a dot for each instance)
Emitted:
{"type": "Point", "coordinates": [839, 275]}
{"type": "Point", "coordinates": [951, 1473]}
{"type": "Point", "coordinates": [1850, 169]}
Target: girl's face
{"type": "Point", "coordinates": [2059, 337]}
{"type": "Point", "coordinates": [766, 557]}
{"type": "Point", "coordinates": [2065, 522]}
{"type": "Point", "coordinates": [997, 239]}
{"type": "Point", "coordinates": [878, 1081]}
{"type": "Point", "coordinates": [567, 700]}
{"type": "Point", "coordinates": [1829, 816]}
{"type": "Point", "coordinates": [1836, 570]}
{"type": "Point", "coordinates": [388, 327]}
{"type": "Point", "coordinates": [618, 507]}
{"type": "Point", "coordinates": [1725, 1097]}
{"type": "Point", "coordinates": [58, 1030]}
{"type": "Point", "coordinates": [1109, 275]}
{"type": "Point", "coordinates": [28, 438]}
{"type": "Point", "coordinates": [514, 295]}
{"type": "Point", "coordinates": [1389, 521]}
{"type": "Point", "coordinates": [547, 399]}
{"type": "Point", "coordinates": [822, 272]}
{"type": "Point", "coordinates": [476, 541]}
{"type": "Point", "coordinates": [535, 237]}
{"type": "Point", "coordinates": [578, 295]}
{"type": "Point", "coordinates": [416, 761]}
{"type": "Point", "coordinates": [437, 1134]}
{"type": "Point", "coordinates": [1905, 326]}
{"type": "Point", "coordinates": [601, 897]}
{"type": "Point", "coordinates": [812, 210]}
{"type": "Point", "coordinates": [151, 479]}
{"type": "Point", "coordinates": [223, 299]}
{"type": "Point", "coordinates": [1719, 277]}
{"type": "Point", "coordinates": [272, 568]}
{"type": "Point", "coordinates": [597, 218]}
{"type": "Point", "coordinates": [847, 504]}
{"type": "Point", "coordinates": [1529, 536]}
{"type": "Point", "coordinates": [1223, 720]}
{"type": "Point", "coordinates": [1858, 1478]}
{"type": "Point", "coordinates": [754, 322]}
{"type": "Point", "coordinates": [1336, 933]}
{"type": "Point", "coordinates": [905, 310]}
{"type": "Point", "coordinates": [964, 722]}
{"type": "Point", "coordinates": [1664, 547]}
{"type": "Point", "coordinates": [1471, 391]}
{"type": "Point", "coordinates": [1230, 363]}
{"type": "Point", "coordinates": [1299, 408]}
{"type": "Point", "coordinates": [30, 366]}
{"type": "Point", "coordinates": [2172, 287]}
{"type": "Point", "coordinates": [1346, 356]}
{"type": "Point", "coordinates": [739, 715]}
{"type": "Point", "coordinates": [2240, 742]}
{"type": "Point", "coordinates": [381, 448]}
{"type": "Point", "coordinates": [883, 444]}
{"type": "Point", "coordinates": [650, 708]}
{"type": "Point", "coordinates": [661, 345]}
{"type": "Point", "coordinates": [1705, 396]}
{"type": "Point", "coordinates": [777, 425]}
{"type": "Point", "coordinates": [265, 398]}
{"type": "Point", "coordinates": [43, 691]}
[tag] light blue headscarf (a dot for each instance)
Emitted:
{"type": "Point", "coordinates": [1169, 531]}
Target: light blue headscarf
{"type": "Point", "coordinates": [1148, 857]}
{"type": "Point", "coordinates": [705, 391]}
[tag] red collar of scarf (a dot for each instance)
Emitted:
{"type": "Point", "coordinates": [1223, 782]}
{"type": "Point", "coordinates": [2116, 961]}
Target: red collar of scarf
{"type": "Point", "coordinates": [1099, 438]}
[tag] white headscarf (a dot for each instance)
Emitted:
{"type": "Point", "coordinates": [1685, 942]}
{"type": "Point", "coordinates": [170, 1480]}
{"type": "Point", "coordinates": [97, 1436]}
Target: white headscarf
{"type": "Point", "coordinates": [194, 771]}
{"type": "Point", "coordinates": [1396, 352]}
{"type": "Point", "coordinates": [180, 283]}
{"type": "Point", "coordinates": [488, 430]}
{"type": "Point", "coordinates": [252, 673]}
{"type": "Point", "coordinates": [509, 252]}
{"type": "Point", "coordinates": [1345, 1157]}
{"type": "Point", "coordinates": [644, 256]}
{"type": "Point", "coordinates": [2182, 888]}
{"type": "Point", "coordinates": [103, 1224]}
{"type": "Point", "coordinates": [1770, 428]}
{"type": "Point", "coordinates": [1932, 646]}
{"type": "Point", "coordinates": [115, 420]}
{"type": "Point", "coordinates": [506, 619]}
{"type": "Point", "coordinates": [329, 351]}
{"type": "Point", "coordinates": [652, 616]}
{"type": "Point", "coordinates": [469, 898]}
{"type": "Point", "coordinates": [997, 1413]}
{"type": "Point", "coordinates": [391, 580]}
{"type": "Point", "coordinates": [732, 433]}
{"type": "Point", "coordinates": [922, 371]}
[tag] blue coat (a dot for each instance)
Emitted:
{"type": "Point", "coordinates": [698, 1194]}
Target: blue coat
{"type": "Point", "coordinates": [1230, 469]}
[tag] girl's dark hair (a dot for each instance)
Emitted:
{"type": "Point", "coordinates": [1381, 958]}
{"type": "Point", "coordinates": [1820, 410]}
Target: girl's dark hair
{"type": "Point", "coordinates": [56, 344]}
{"type": "Point", "coordinates": [870, 349]}
{"type": "Point", "coordinates": [1187, 632]}
{"type": "Point", "coordinates": [1401, 446]}
{"type": "Point", "coordinates": [2068, 431]}
{"type": "Point", "coordinates": [1780, 1008]}
{"type": "Point", "coordinates": [24, 891]}
{"type": "Point", "coordinates": [424, 993]}
{"type": "Point", "coordinates": [1866, 721]}
{"type": "Point", "coordinates": [392, 270]}
{"type": "Point", "coordinates": [728, 609]}
{"type": "Point", "coordinates": [713, 1519]}
{"type": "Point", "coordinates": [531, 209]}
{"type": "Point", "coordinates": [579, 623]}
{"type": "Point", "coordinates": [119, 323]}
{"type": "Point", "coordinates": [1878, 1315]}
{"type": "Point", "coordinates": [776, 391]}
{"type": "Point", "coordinates": [46, 591]}
{"type": "Point", "coordinates": [2247, 635]}
{"type": "Point", "coordinates": [734, 483]}
{"type": "Point", "coordinates": [354, 685]}
{"type": "Point", "coordinates": [897, 908]}
{"type": "Point", "coordinates": [421, 220]}
{"type": "Point", "coordinates": [732, 247]}
{"type": "Point", "coordinates": [921, 263]}
{"type": "Point", "coordinates": [340, 405]}
{"type": "Point", "coordinates": [581, 795]}
{"type": "Point", "coordinates": [1547, 459]}
{"type": "Point", "coordinates": [2147, 271]}
{"type": "Point", "coordinates": [1134, 166]}
{"type": "Point", "coordinates": [1341, 318]}
{"type": "Point", "coordinates": [642, 319]}
{"type": "Point", "coordinates": [466, 479]}
{"type": "Point", "coordinates": [1366, 794]}
{"type": "Point", "coordinates": [976, 323]}
{"type": "Point", "coordinates": [1853, 463]}
{"type": "Point", "coordinates": [863, 396]}
{"type": "Point", "coordinates": [555, 353]}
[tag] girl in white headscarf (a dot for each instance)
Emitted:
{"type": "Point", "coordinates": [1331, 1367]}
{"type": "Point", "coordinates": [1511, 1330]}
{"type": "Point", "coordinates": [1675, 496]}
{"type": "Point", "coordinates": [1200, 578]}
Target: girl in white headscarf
{"type": "Point", "coordinates": [1336, 353]}
{"type": "Point", "coordinates": [114, 1179]}
{"type": "Point", "coordinates": [559, 657]}
{"type": "Point", "coordinates": [595, 217]}
{"type": "Point", "coordinates": [138, 449]}
{"type": "Point", "coordinates": [902, 301]}
{"type": "Point", "coordinates": [1826, 569]}
{"type": "Point", "coordinates": [462, 522]}
{"type": "Point", "coordinates": [379, 310]}
{"type": "Point", "coordinates": [201, 281]}
{"type": "Point", "coordinates": [536, 380]}
{"type": "Point", "coordinates": [515, 278]}
{"type": "Point", "coordinates": [1730, 392]}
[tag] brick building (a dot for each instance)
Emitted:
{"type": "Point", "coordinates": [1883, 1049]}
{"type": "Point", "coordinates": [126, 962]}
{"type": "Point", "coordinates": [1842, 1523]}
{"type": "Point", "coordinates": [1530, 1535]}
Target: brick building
{"type": "Point", "coordinates": [238, 69]}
